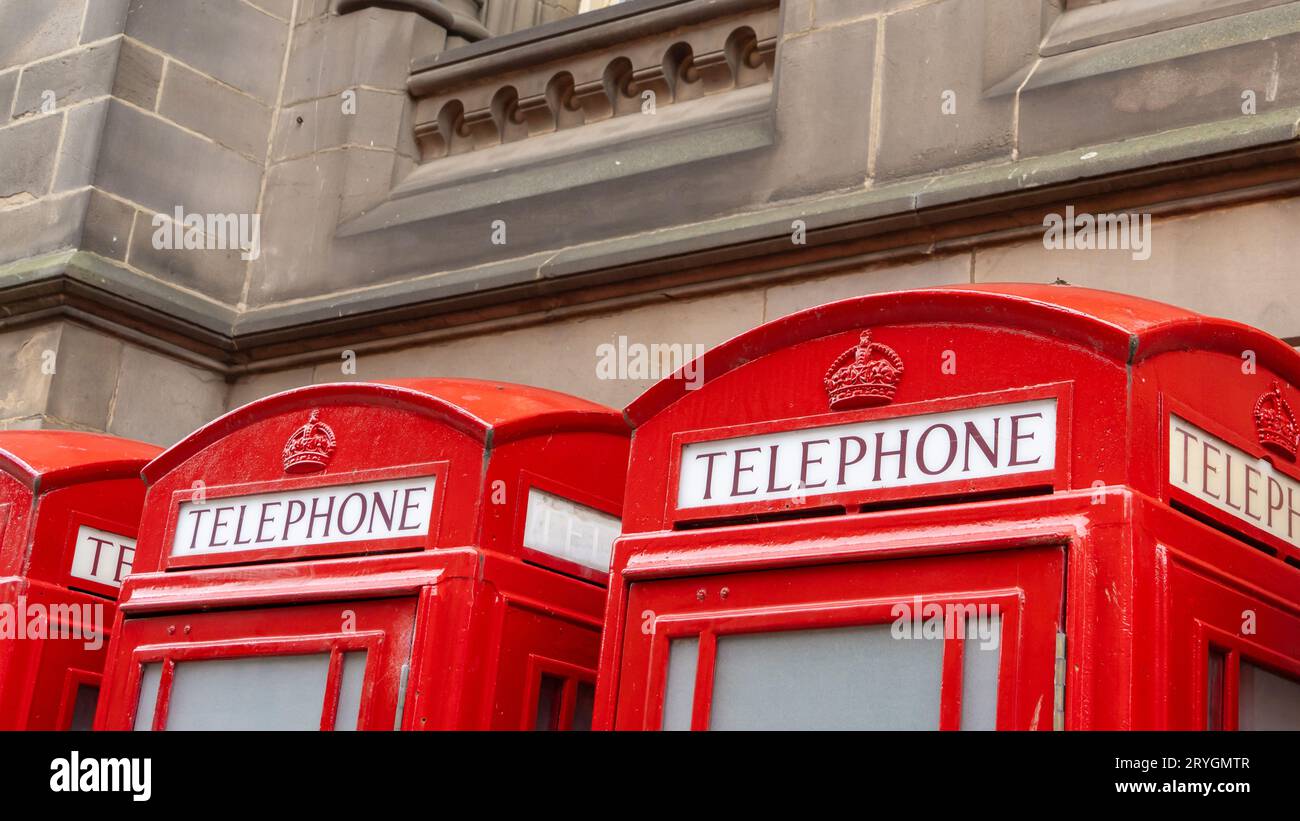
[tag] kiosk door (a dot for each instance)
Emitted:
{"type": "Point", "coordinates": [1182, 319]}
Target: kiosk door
{"type": "Point", "coordinates": [1240, 655]}
{"type": "Point", "coordinates": [334, 666]}
{"type": "Point", "coordinates": [955, 642]}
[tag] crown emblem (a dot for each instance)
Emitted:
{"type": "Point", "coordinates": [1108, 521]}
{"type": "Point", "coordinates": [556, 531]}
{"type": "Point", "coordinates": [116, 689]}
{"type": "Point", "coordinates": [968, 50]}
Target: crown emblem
{"type": "Point", "coordinates": [864, 376]}
{"type": "Point", "coordinates": [1275, 423]}
{"type": "Point", "coordinates": [309, 448]}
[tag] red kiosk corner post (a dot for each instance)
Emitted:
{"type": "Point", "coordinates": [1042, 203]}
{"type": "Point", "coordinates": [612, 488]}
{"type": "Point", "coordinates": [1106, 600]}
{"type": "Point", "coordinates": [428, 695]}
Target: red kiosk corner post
{"type": "Point", "coordinates": [1007, 506]}
{"type": "Point", "coordinates": [417, 554]}
{"type": "Point", "coordinates": [69, 510]}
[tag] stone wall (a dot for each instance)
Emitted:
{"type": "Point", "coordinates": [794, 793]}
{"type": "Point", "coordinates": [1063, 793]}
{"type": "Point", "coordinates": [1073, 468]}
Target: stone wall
{"type": "Point", "coordinates": [1238, 263]}
{"type": "Point", "coordinates": [801, 150]}
{"type": "Point", "coordinates": [66, 375]}
{"type": "Point", "coordinates": [117, 114]}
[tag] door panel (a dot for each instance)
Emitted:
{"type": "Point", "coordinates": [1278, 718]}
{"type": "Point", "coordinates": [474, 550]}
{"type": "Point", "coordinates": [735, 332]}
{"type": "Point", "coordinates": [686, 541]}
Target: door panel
{"type": "Point", "coordinates": [327, 666]}
{"type": "Point", "coordinates": [955, 642]}
{"type": "Point", "coordinates": [1235, 655]}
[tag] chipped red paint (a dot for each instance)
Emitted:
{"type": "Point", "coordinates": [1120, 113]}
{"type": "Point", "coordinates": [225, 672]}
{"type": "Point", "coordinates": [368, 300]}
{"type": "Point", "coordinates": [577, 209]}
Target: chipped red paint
{"type": "Point", "coordinates": [1142, 577]}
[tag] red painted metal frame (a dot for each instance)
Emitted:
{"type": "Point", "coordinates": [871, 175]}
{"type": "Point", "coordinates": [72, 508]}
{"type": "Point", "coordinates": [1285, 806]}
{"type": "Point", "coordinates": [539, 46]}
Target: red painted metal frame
{"type": "Point", "coordinates": [466, 600]}
{"type": "Point", "coordinates": [730, 556]}
{"type": "Point", "coordinates": [335, 644]}
{"type": "Point", "coordinates": [1153, 579]}
{"type": "Point", "coordinates": [1057, 477]}
{"type": "Point", "coordinates": [68, 701]}
{"type": "Point", "coordinates": [384, 629]}
{"type": "Point", "coordinates": [847, 613]}
{"type": "Point", "coordinates": [44, 460]}
{"type": "Point", "coordinates": [597, 501]}
{"type": "Point", "coordinates": [480, 602]}
{"type": "Point", "coordinates": [1234, 648]}
{"type": "Point", "coordinates": [571, 674]}
{"type": "Point", "coordinates": [51, 482]}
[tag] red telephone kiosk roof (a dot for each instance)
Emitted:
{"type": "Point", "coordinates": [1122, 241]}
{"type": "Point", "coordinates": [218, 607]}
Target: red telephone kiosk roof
{"type": "Point", "coordinates": [511, 604]}
{"type": "Point", "coordinates": [1162, 505]}
{"type": "Point", "coordinates": [43, 459]}
{"type": "Point", "coordinates": [1124, 328]}
{"type": "Point", "coordinates": [559, 444]}
{"type": "Point", "coordinates": [69, 509]}
{"type": "Point", "coordinates": [492, 412]}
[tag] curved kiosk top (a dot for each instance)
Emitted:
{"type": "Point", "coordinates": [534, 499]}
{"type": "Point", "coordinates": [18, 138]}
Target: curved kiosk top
{"type": "Point", "coordinates": [387, 535]}
{"type": "Point", "coordinates": [1116, 475]}
{"type": "Point", "coordinates": [69, 509]}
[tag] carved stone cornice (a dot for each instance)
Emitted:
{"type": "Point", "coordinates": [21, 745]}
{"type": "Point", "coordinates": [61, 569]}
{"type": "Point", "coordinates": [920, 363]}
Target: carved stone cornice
{"type": "Point", "coordinates": [498, 96]}
{"type": "Point", "coordinates": [845, 232]}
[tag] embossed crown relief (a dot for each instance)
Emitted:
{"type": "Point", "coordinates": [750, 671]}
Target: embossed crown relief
{"type": "Point", "coordinates": [1275, 423]}
{"type": "Point", "coordinates": [864, 376]}
{"type": "Point", "coordinates": [309, 448]}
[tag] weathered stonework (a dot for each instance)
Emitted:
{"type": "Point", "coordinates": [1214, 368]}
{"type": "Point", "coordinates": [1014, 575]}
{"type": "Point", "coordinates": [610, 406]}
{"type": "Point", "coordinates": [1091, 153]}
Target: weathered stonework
{"type": "Point", "coordinates": [481, 189]}
{"type": "Point", "coordinates": [65, 375]}
{"type": "Point", "coordinates": [654, 71]}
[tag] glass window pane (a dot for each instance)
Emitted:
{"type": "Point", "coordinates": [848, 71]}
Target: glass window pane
{"type": "Point", "coordinates": [843, 678]}
{"type": "Point", "coordinates": [979, 673]}
{"type": "Point", "coordinates": [549, 695]}
{"type": "Point", "coordinates": [83, 707]}
{"type": "Point", "coordinates": [585, 706]}
{"type": "Point", "coordinates": [568, 530]}
{"type": "Point", "coordinates": [679, 692]}
{"type": "Point", "coordinates": [352, 677]}
{"type": "Point", "coordinates": [401, 696]}
{"type": "Point", "coordinates": [1267, 701]}
{"type": "Point", "coordinates": [250, 693]}
{"type": "Point", "coordinates": [149, 680]}
{"type": "Point", "coordinates": [1214, 690]}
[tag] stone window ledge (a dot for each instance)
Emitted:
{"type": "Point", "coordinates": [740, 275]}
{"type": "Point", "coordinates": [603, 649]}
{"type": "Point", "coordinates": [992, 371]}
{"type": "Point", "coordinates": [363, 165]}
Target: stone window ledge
{"type": "Point", "coordinates": [607, 151]}
{"type": "Point", "coordinates": [1118, 20]}
{"type": "Point", "coordinates": [1166, 44]}
{"type": "Point", "coordinates": [597, 98]}
{"type": "Point", "coordinates": [1000, 189]}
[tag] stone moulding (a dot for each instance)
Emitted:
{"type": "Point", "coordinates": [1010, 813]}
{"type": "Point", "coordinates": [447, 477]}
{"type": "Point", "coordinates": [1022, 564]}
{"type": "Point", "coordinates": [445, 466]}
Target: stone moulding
{"type": "Point", "coordinates": [1119, 20]}
{"type": "Point", "coordinates": [995, 204]}
{"type": "Point", "coordinates": [478, 110]}
{"type": "Point", "coordinates": [456, 23]}
{"type": "Point", "coordinates": [615, 149]}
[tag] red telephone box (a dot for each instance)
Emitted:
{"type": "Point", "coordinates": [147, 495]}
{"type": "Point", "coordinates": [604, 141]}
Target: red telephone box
{"type": "Point", "coordinates": [69, 510]}
{"type": "Point", "coordinates": [418, 554]}
{"type": "Point", "coordinates": [1012, 506]}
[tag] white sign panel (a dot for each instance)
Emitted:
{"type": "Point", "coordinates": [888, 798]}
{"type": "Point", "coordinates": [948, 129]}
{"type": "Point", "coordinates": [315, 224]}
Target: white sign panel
{"type": "Point", "coordinates": [1233, 481]}
{"type": "Point", "coordinates": [975, 443]}
{"type": "Point", "coordinates": [100, 556]}
{"type": "Point", "coordinates": [568, 530]}
{"type": "Point", "coordinates": [299, 518]}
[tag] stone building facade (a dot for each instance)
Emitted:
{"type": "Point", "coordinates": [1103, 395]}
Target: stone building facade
{"type": "Point", "coordinates": [206, 201]}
